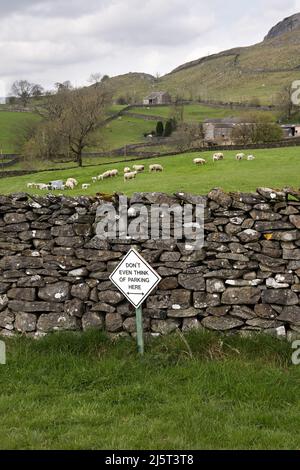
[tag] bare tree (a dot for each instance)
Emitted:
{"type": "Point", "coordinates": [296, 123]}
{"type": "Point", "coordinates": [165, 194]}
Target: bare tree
{"type": "Point", "coordinates": [63, 86]}
{"type": "Point", "coordinates": [70, 117]}
{"type": "Point", "coordinates": [24, 90]}
{"type": "Point", "coordinates": [188, 136]}
{"type": "Point", "coordinates": [95, 78]}
{"type": "Point", "coordinates": [284, 101]}
{"type": "Point", "coordinates": [256, 128]}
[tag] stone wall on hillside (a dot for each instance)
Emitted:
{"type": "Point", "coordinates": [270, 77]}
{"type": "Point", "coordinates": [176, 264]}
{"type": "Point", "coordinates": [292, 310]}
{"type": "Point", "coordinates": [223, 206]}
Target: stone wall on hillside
{"type": "Point", "coordinates": [54, 270]}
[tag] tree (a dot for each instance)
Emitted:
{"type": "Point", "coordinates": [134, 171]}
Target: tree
{"type": "Point", "coordinates": [256, 128]}
{"type": "Point", "coordinates": [285, 103]}
{"type": "Point", "coordinates": [189, 136]}
{"type": "Point", "coordinates": [64, 86]}
{"type": "Point", "coordinates": [177, 112]}
{"type": "Point", "coordinates": [159, 129]}
{"type": "Point", "coordinates": [168, 128]}
{"type": "Point", "coordinates": [69, 119]}
{"type": "Point", "coordinates": [95, 78]}
{"type": "Point", "coordinates": [24, 90]}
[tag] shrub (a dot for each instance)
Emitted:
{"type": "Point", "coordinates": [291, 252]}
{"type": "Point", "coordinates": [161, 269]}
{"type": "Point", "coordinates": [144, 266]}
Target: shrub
{"type": "Point", "coordinates": [159, 129]}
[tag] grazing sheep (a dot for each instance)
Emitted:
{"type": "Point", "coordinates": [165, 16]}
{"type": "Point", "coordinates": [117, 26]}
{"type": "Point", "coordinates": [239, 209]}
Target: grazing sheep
{"type": "Point", "coordinates": [130, 176]}
{"type": "Point", "coordinates": [127, 169]}
{"type": "Point", "coordinates": [43, 186]}
{"type": "Point", "coordinates": [69, 185]}
{"type": "Point", "coordinates": [72, 180]}
{"type": "Point", "coordinates": [218, 156]}
{"type": "Point", "coordinates": [85, 186]}
{"type": "Point", "coordinates": [155, 168]}
{"type": "Point", "coordinates": [113, 173]}
{"type": "Point", "coordinates": [250, 158]}
{"type": "Point", "coordinates": [30, 185]}
{"type": "Point", "coordinates": [139, 168]}
{"type": "Point", "coordinates": [199, 161]}
{"type": "Point", "coordinates": [94, 179]}
{"type": "Point", "coordinates": [106, 174]}
{"type": "Point", "coordinates": [240, 156]}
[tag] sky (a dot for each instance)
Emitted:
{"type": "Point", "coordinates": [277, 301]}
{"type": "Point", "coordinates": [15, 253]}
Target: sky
{"type": "Point", "coordinates": [48, 41]}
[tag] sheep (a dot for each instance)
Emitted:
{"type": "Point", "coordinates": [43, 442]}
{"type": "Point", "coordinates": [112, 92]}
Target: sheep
{"type": "Point", "coordinates": [250, 158]}
{"type": "Point", "coordinates": [100, 177]}
{"type": "Point", "coordinates": [199, 161]}
{"type": "Point", "coordinates": [72, 180]}
{"type": "Point", "coordinates": [85, 186]}
{"type": "Point", "coordinates": [106, 174]}
{"type": "Point", "coordinates": [127, 170]}
{"type": "Point", "coordinates": [139, 168]}
{"type": "Point", "coordinates": [43, 186]}
{"type": "Point", "coordinates": [94, 179]}
{"type": "Point", "coordinates": [113, 173]}
{"type": "Point", "coordinates": [155, 168]}
{"type": "Point", "coordinates": [30, 185]}
{"type": "Point", "coordinates": [130, 176]}
{"type": "Point", "coordinates": [240, 156]}
{"type": "Point", "coordinates": [69, 185]}
{"type": "Point", "coordinates": [218, 156]}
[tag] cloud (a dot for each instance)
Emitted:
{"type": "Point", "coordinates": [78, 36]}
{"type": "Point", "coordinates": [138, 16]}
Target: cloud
{"type": "Point", "coordinates": [51, 40]}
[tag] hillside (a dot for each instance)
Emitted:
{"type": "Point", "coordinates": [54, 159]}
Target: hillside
{"type": "Point", "coordinates": [243, 74]}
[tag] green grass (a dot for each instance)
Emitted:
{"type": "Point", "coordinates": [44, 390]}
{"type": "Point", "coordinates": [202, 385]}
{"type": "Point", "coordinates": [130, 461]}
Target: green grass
{"type": "Point", "coordinates": [196, 112]}
{"type": "Point", "coordinates": [12, 125]}
{"type": "Point", "coordinates": [276, 168]}
{"type": "Point", "coordinates": [80, 391]}
{"type": "Point", "coordinates": [122, 131]}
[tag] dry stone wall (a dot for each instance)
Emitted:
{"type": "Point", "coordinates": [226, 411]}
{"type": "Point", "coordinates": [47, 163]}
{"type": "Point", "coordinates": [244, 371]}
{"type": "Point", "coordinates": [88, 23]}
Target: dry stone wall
{"type": "Point", "coordinates": [54, 270]}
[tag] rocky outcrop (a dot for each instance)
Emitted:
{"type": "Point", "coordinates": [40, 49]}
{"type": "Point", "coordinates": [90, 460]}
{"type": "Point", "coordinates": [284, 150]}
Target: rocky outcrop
{"type": "Point", "coordinates": [54, 270]}
{"type": "Point", "coordinates": [285, 26]}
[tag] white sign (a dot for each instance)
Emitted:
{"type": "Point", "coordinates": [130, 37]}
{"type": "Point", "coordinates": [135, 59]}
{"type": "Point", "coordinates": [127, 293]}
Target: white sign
{"type": "Point", "coordinates": [135, 278]}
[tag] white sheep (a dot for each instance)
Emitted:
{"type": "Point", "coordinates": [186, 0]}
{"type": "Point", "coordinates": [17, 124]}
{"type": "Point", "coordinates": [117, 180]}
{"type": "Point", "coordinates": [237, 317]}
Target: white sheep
{"type": "Point", "coordinates": [72, 180]}
{"type": "Point", "coordinates": [139, 168]}
{"type": "Point", "coordinates": [250, 158]}
{"type": "Point", "coordinates": [240, 156]}
{"type": "Point", "coordinates": [127, 169]}
{"type": "Point", "coordinates": [130, 176]}
{"type": "Point", "coordinates": [155, 168]}
{"type": "Point", "coordinates": [69, 185]}
{"type": "Point", "coordinates": [113, 173]}
{"type": "Point", "coordinates": [199, 161]}
{"type": "Point", "coordinates": [43, 186]}
{"type": "Point", "coordinates": [30, 185]}
{"type": "Point", "coordinates": [106, 174]}
{"type": "Point", "coordinates": [85, 186]}
{"type": "Point", "coordinates": [218, 156]}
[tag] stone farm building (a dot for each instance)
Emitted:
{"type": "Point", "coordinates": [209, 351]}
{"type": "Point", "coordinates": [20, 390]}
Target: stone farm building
{"type": "Point", "coordinates": [219, 130]}
{"type": "Point", "coordinates": [157, 97]}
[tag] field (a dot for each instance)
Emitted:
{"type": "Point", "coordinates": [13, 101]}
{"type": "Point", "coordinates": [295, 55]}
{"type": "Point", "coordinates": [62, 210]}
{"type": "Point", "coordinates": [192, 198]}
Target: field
{"type": "Point", "coordinates": [81, 391]}
{"type": "Point", "coordinates": [197, 112]}
{"type": "Point", "coordinates": [275, 168]}
{"type": "Point", "coordinates": [12, 125]}
{"type": "Point", "coordinates": [123, 131]}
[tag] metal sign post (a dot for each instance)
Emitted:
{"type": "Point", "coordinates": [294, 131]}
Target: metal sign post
{"type": "Point", "coordinates": [139, 330]}
{"type": "Point", "coordinates": [136, 279]}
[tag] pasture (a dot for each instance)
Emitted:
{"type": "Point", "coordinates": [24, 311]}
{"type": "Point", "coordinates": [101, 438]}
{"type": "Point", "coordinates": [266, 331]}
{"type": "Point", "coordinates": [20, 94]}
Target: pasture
{"type": "Point", "coordinates": [275, 168]}
{"type": "Point", "coordinates": [12, 127]}
{"type": "Point", "coordinates": [197, 112]}
{"type": "Point", "coordinates": [207, 391]}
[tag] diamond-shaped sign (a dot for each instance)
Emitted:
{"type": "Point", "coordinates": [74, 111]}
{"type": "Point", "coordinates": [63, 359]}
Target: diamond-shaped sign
{"type": "Point", "coordinates": [135, 278]}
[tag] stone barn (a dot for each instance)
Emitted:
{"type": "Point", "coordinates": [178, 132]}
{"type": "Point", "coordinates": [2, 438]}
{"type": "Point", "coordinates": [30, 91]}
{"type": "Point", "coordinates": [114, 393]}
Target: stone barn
{"type": "Point", "coordinates": [157, 97]}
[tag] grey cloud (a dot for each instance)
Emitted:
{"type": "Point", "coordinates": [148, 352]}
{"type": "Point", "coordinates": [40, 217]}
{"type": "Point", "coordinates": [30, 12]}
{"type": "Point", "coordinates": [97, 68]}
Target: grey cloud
{"type": "Point", "coordinates": [50, 40]}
